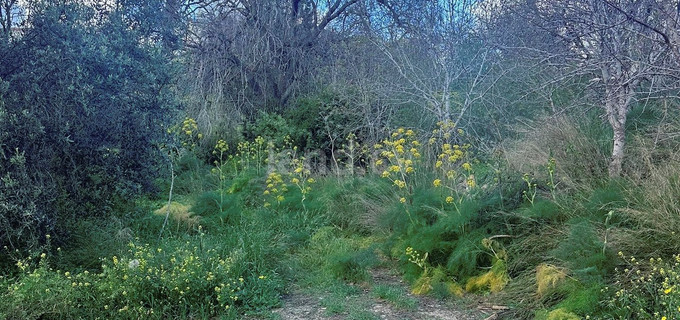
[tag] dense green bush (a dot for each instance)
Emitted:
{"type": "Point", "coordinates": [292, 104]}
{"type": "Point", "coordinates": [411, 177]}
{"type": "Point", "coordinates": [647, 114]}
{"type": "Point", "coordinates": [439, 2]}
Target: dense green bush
{"type": "Point", "coordinates": [84, 103]}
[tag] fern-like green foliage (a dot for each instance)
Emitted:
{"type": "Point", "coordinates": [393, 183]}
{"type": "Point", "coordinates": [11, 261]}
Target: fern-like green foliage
{"type": "Point", "coordinates": [467, 255]}
{"type": "Point", "coordinates": [557, 314]}
{"type": "Point", "coordinates": [610, 196]}
{"type": "Point", "coordinates": [582, 252]}
{"type": "Point", "coordinates": [545, 210]}
{"type": "Point", "coordinates": [208, 204]}
{"type": "Point", "coordinates": [582, 299]}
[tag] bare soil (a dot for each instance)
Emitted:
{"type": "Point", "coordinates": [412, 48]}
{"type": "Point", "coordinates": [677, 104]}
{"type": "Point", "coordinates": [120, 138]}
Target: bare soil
{"type": "Point", "coordinates": [299, 305]}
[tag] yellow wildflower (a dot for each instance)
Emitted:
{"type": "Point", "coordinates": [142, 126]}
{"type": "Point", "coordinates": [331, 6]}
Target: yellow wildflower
{"type": "Point", "coordinates": [471, 182]}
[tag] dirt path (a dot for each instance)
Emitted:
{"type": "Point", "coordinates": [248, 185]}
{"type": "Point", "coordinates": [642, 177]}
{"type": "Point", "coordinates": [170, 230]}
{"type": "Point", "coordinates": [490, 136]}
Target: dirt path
{"type": "Point", "coordinates": [386, 297]}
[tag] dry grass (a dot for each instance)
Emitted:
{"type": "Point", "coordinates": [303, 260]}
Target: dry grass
{"type": "Point", "coordinates": [548, 277]}
{"type": "Point", "coordinates": [656, 209]}
{"type": "Point", "coordinates": [579, 157]}
{"type": "Point", "coordinates": [179, 213]}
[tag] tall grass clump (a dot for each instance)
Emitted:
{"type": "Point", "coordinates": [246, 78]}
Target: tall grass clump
{"type": "Point", "coordinates": [355, 203]}
{"type": "Point", "coordinates": [569, 142]}
{"type": "Point", "coordinates": [655, 210]}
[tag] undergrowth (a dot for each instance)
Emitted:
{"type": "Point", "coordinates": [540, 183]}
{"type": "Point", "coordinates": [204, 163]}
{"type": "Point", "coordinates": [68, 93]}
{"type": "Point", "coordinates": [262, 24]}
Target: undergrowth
{"type": "Point", "coordinates": [535, 230]}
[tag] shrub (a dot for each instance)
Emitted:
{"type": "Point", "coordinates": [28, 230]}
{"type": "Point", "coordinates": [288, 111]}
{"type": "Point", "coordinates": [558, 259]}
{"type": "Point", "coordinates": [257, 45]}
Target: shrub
{"type": "Point", "coordinates": [86, 102]}
{"type": "Point", "coordinates": [645, 289]}
{"type": "Point", "coordinates": [277, 130]}
{"type": "Point", "coordinates": [179, 279]}
{"type": "Point", "coordinates": [327, 119]}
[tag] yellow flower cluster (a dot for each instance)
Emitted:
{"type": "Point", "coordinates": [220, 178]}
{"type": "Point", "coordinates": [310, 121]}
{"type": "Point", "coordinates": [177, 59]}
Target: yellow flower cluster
{"type": "Point", "coordinates": [301, 177]}
{"type": "Point", "coordinates": [417, 258]}
{"type": "Point", "coordinates": [398, 158]}
{"type": "Point", "coordinates": [275, 188]}
{"type": "Point", "coordinates": [655, 282]}
{"type": "Point", "coordinates": [452, 164]}
{"type": "Point", "coordinates": [188, 132]}
{"type": "Point", "coordinates": [221, 146]}
{"type": "Point", "coordinates": [251, 153]}
{"type": "Point", "coordinates": [189, 126]}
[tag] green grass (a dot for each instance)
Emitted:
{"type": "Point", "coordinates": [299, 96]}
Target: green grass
{"type": "Point", "coordinates": [395, 296]}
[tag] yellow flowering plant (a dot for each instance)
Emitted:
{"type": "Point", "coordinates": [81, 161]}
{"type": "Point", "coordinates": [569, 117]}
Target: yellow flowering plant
{"type": "Point", "coordinates": [146, 282]}
{"type": "Point", "coordinates": [187, 132]}
{"type": "Point", "coordinates": [274, 189]}
{"type": "Point", "coordinates": [399, 156]}
{"type": "Point", "coordinates": [251, 153]}
{"type": "Point", "coordinates": [646, 288]}
{"type": "Point", "coordinates": [452, 163]}
{"type": "Point", "coordinates": [301, 178]}
{"type": "Point", "coordinates": [220, 150]}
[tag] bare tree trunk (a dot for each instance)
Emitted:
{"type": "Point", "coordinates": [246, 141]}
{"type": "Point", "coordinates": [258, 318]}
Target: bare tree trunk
{"type": "Point", "coordinates": [617, 106]}
{"type": "Point", "coordinates": [615, 166]}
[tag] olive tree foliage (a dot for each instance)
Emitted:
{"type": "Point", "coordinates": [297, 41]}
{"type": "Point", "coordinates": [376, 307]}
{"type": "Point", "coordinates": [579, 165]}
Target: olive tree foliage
{"type": "Point", "coordinates": [245, 56]}
{"type": "Point", "coordinates": [627, 50]}
{"type": "Point", "coordinates": [85, 96]}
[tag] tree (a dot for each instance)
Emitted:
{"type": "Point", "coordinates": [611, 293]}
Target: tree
{"type": "Point", "coordinates": [9, 11]}
{"type": "Point", "coordinates": [442, 64]}
{"type": "Point", "coordinates": [246, 56]}
{"type": "Point", "coordinates": [625, 48]}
